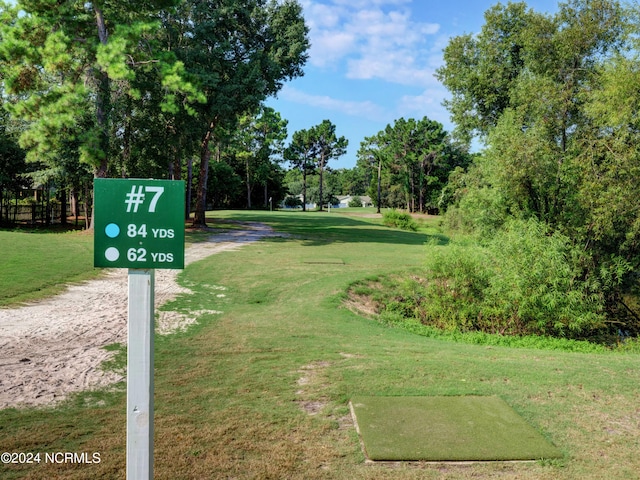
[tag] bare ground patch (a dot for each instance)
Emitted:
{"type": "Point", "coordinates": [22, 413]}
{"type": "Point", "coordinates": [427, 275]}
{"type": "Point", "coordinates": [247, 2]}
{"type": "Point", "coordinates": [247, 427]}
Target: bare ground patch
{"type": "Point", "coordinates": [55, 347]}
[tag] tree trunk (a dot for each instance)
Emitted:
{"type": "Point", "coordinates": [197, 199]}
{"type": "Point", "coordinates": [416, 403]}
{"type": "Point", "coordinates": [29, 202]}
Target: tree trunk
{"type": "Point", "coordinates": [126, 140]}
{"type": "Point", "coordinates": [304, 189]}
{"type": "Point", "coordinates": [47, 204]}
{"type": "Point", "coordinates": [171, 173]}
{"type": "Point", "coordinates": [379, 181]}
{"type": "Point", "coordinates": [413, 195]}
{"type": "Point", "coordinates": [86, 209]}
{"type": "Point", "coordinates": [199, 218]}
{"type": "Point", "coordinates": [246, 164]}
{"type": "Point", "coordinates": [102, 102]}
{"type": "Point", "coordinates": [63, 206]}
{"type": "Point", "coordinates": [89, 224]}
{"type": "Point", "coordinates": [75, 204]}
{"type": "Point", "coordinates": [426, 172]}
{"type": "Point", "coordinates": [321, 172]}
{"type": "Point", "coordinates": [187, 202]}
{"type": "Point", "coordinates": [412, 207]}
{"type": "Point", "coordinates": [421, 192]}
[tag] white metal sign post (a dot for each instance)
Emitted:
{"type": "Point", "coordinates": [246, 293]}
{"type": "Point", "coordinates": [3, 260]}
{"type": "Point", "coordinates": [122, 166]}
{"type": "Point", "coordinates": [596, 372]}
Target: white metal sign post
{"type": "Point", "coordinates": [140, 375]}
{"type": "Point", "coordinates": [139, 225]}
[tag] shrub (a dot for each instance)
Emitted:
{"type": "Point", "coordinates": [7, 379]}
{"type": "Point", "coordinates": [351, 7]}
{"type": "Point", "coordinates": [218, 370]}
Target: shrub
{"type": "Point", "coordinates": [522, 282]}
{"type": "Point", "coordinates": [458, 277]}
{"type": "Point", "coordinates": [536, 282]}
{"type": "Point", "coordinates": [292, 202]}
{"type": "Point", "coordinates": [481, 211]}
{"type": "Point", "coordinates": [355, 202]}
{"type": "Point", "coordinates": [396, 219]}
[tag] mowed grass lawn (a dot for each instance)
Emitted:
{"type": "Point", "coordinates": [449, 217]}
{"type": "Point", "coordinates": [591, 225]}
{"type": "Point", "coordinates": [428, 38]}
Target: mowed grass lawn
{"type": "Point", "coordinates": [261, 390]}
{"type": "Point", "coordinates": [34, 264]}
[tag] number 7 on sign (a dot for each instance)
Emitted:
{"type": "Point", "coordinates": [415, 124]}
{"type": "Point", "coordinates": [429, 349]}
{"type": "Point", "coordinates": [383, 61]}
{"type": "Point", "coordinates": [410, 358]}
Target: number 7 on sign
{"type": "Point", "coordinates": [136, 198]}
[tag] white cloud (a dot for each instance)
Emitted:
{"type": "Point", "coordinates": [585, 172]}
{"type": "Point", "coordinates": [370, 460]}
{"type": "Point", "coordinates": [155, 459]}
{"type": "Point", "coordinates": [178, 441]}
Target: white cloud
{"type": "Point", "coordinates": [333, 45]}
{"type": "Point", "coordinates": [319, 15]}
{"type": "Point", "coordinates": [428, 103]}
{"type": "Point", "coordinates": [372, 39]}
{"type": "Point", "coordinates": [368, 3]}
{"type": "Point", "coordinates": [366, 109]}
{"type": "Point", "coordinates": [393, 67]}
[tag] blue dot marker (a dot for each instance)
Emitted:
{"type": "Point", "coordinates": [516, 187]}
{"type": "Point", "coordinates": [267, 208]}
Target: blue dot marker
{"type": "Point", "coordinates": [112, 230]}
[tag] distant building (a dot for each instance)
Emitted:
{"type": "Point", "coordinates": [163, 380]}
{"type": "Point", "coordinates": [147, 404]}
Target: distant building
{"type": "Point", "coordinates": [295, 203]}
{"type": "Point", "coordinates": [345, 200]}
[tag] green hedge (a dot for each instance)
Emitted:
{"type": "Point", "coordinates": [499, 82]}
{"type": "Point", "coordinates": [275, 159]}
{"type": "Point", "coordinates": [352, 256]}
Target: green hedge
{"type": "Point", "coordinates": [396, 219]}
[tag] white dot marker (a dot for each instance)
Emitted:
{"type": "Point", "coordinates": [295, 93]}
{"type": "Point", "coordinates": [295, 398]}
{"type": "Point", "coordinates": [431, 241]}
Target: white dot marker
{"type": "Point", "coordinates": [112, 254]}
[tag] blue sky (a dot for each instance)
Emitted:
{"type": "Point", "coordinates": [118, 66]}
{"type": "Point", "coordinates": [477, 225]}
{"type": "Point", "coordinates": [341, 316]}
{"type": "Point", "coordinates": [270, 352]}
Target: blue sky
{"type": "Point", "coordinates": [372, 62]}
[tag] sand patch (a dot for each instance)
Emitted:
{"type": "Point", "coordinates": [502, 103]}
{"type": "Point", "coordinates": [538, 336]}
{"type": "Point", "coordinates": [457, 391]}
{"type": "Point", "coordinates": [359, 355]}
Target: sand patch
{"type": "Point", "coordinates": [54, 347]}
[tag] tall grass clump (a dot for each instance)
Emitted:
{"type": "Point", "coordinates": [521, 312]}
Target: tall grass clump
{"type": "Point", "coordinates": [523, 281]}
{"type": "Point", "coordinates": [394, 218]}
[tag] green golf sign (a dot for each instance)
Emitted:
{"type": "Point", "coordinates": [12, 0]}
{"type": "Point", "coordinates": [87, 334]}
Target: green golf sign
{"type": "Point", "coordinates": [138, 223]}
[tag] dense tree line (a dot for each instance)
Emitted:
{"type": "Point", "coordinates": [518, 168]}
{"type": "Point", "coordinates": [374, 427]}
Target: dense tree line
{"type": "Point", "coordinates": [555, 100]}
{"type": "Point", "coordinates": [99, 89]}
{"type": "Point", "coordinates": [404, 166]}
{"type": "Point", "coordinates": [410, 162]}
{"type": "Point", "coordinates": [176, 89]}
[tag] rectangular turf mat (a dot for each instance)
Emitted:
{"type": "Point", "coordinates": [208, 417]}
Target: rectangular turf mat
{"type": "Point", "coordinates": [465, 428]}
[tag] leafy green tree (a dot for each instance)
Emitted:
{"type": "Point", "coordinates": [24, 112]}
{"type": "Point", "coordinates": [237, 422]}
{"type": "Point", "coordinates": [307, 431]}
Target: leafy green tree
{"type": "Point", "coordinates": [258, 139]}
{"type": "Point", "coordinates": [292, 180]}
{"type": "Point", "coordinates": [76, 72]}
{"type": "Point", "coordinates": [608, 164]}
{"type": "Point", "coordinates": [480, 71]}
{"type": "Point", "coordinates": [326, 145]}
{"type": "Point", "coordinates": [60, 63]}
{"type": "Point", "coordinates": [534, 136]}
{"type": "Point", "coordinates": [355, 202]}
{"type": "Point", "coordinates": [224, 183]}
{"type": "Point", "coordinates": [417, 155]}
{"type": "Point", "coordinates": [351, 181]}
{"type": "Point", "coordinates": [521, 57]}
{"type": "Point", "coordinates": [239, 52]}
{"type": "Point", "coordinates": [292, 202]}
{"type": "Point", "coordinates": [12, 165]}
{"type": "Point", "coordinates": [371, 156]}
{"type": "Point", "coordinates": [561, 142]}
{"type": "Point", "coordinates": [301, 153]}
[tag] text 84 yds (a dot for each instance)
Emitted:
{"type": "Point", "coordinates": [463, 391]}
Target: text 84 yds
{"type": "Point", "coordinates": [134, 230]}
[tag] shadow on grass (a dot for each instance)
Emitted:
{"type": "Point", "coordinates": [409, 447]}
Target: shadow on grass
{"type": "Point", "coordinates": [43, 229]}
{"type": "Point", "coordinates": [318, 228]}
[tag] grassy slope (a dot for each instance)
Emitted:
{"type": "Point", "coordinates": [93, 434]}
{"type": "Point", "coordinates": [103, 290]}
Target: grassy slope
{"type": "Point", "coordinates": [231, 393]}
{"type": "Point", "coordinates": [37, 264]}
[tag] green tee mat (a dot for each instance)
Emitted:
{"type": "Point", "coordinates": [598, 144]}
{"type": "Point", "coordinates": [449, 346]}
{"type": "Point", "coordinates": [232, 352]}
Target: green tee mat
{"type": "Point", "coordinates": [469, 428]}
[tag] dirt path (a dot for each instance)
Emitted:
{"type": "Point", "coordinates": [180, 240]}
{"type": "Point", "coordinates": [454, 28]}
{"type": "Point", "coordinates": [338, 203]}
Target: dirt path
{"type": "Point", "coordinates": [55, 347]}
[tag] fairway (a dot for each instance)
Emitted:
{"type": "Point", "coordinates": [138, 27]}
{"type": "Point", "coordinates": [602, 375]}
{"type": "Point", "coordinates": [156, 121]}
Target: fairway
{"type": "Point", "coordinates": [261, 388]}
